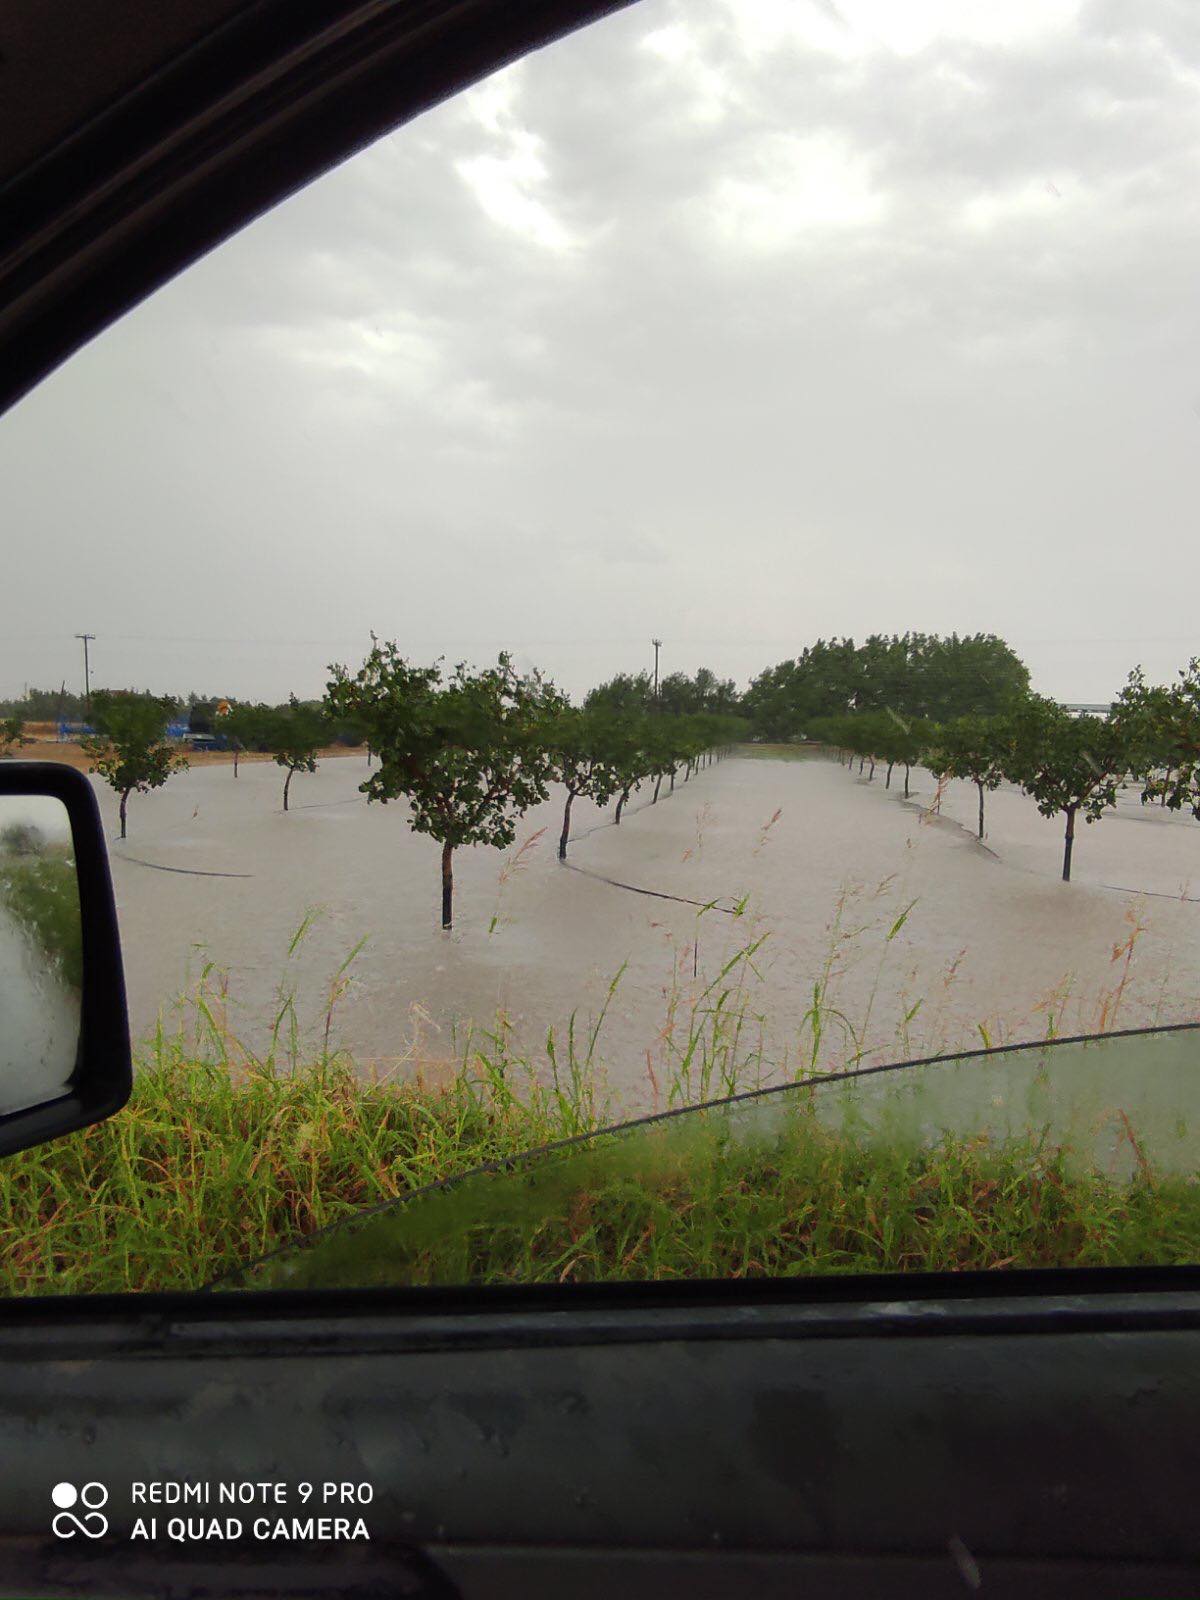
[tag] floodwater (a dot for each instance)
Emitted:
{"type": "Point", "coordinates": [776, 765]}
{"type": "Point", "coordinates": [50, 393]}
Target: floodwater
{"type": "Point", "coordinates": [850, 926]}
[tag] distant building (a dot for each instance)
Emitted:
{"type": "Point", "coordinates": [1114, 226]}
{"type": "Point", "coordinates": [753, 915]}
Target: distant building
{"type": "Point", "coordinates": [1078, 709]}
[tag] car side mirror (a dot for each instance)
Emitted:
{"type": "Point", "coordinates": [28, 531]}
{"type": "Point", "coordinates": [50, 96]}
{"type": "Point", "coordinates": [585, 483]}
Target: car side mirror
{"type": "Point", "coordinates": [64, 1030]}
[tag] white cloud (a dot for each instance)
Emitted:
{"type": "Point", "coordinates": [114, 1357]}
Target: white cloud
{"type": "Point", "coordinates": [791, 189]}
{"type": "Point", "coordinates": [506, 185]}
{"type": "Point", "coordinates": [847, 28]}
{"type": "Point", "coordinates": [1019, 204]}
{"type": "Point", "coordinates": [510, 179]}
{"type": "Point", "coordinates": [691, 71]}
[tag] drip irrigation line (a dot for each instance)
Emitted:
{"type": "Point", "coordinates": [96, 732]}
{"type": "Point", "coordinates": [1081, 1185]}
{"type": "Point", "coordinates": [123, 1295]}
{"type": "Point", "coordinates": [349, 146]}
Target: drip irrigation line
{"type": "Point", "coordinates": [598, 827]}
{"type": "Point", "coordinates": [656, 894]}
{"type": "Point", "coordinates": [510, 1164]}
{"type": "Point", "coordinates": [187, 872]}
{"type": "Point", "coordinates": [1157, 894]}
{"type": "Point", "coordinates": [1033, 872]}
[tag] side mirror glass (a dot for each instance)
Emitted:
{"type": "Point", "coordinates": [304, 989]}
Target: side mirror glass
{"type": "Point", "coordinates": [64, 1031]}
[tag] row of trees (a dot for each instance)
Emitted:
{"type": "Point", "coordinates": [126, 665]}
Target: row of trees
{"type": "Point", "coordinates": [129, 748]}
{"type": "Point", "coordinates": [470, 751]}
{"type": "Point", "coordinates": [1069, 765]}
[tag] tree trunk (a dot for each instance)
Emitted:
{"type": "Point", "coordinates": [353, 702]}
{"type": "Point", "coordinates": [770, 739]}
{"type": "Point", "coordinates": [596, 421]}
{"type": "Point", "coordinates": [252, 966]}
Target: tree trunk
{"type": "Point", "coordinates": [235, 761]}
{"type": "Point", "coordinates": [979, 786]}
{"type": "Point", "coordinates": [657, 787]}
{"type": "Point", "coordinates": [672, 780]}
{"type": "Point", "coordinates": [124, 798]}
{"type": "Point", "coordinates": [888, 784]}
{"type": "Point", "coordinates": [447, 886]}
{"type": "Point", "coordinates": [287, 784]}
{"type": "Point", "coordinates": [862, 760]}
{"type": "Point", "coordinates": [871, 774]}
{"type": "Point", "coordinates": [1068, 841]}
{"type": "Point", "coordinates": [566, 827]}
{"type": "Point", "coordinates": [907, 769]}
{"type": "Point", "coordinates": [621, 806]}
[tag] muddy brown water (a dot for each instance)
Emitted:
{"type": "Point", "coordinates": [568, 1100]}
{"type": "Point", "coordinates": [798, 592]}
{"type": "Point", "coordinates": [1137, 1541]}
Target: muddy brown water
{"type": "Point", "coordinates": [877, 932]}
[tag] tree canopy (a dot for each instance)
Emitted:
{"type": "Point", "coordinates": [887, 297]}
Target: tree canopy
{"type": "Point", "coordinates": [466, 750]}
{"type": "Point", "coordinates": [128, 747]}
{"type": "Point", "coordinates": [914, 675]}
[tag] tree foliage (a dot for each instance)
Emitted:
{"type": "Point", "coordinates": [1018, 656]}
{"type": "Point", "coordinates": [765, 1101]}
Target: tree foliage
{"type": "Point", "coordinates": [915, 675]}
{"type": "Point", "coordinates": [585, 751]}
{"type": "Point", "coordinates": [467, 751]}
{"type": "Point", "coordinates": [128, 747]}
{"type": "Point", "coordinates": [12, 735]}
{"type": "Point", "coordinates": [971, 748]}
{"type": "Point", "coordinates": [1162, 727]}
{"type": "Point", "coordinates": [294, 734]}
{"type": "Point", "coordinates": [1068, 765]}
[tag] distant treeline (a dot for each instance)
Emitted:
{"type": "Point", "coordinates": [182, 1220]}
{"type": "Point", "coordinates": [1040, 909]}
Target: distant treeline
{"type": "Point", "coordinates": [62, 705]}
{"type": "Point", "coordinates": [915, 674]}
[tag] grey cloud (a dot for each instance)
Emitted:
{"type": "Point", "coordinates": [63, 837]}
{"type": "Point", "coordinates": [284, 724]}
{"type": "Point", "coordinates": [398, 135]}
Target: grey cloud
{"type": "Point", "coordinates": [970, 405]}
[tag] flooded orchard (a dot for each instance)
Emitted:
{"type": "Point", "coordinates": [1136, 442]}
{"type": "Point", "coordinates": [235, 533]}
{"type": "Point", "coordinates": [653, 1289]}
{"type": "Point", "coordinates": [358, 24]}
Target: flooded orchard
{"type": "Point", "coordinates": [768, 917]}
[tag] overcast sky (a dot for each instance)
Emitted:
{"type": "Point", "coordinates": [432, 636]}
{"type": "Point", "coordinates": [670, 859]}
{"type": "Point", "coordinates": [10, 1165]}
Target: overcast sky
{"type": "Point", "coordinates": [738, 322]}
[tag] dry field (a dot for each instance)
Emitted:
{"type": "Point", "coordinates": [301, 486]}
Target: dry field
{"type": "Point", "coordinates": [46, 746]}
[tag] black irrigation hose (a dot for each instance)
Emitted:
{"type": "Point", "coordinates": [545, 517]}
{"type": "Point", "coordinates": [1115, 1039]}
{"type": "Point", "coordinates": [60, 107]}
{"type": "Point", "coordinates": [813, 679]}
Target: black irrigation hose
{"type": "Point", "coordinates": [188, 872]}
{"type": "Point", "coordinates": [507, 1164]}
{"type": "Point", "coordinates": [657, 894]}
{"type": "Point", "coordinates": [599, 827]}
{"type": "Point", "coordinates": [633, 888]}
{"type": "Point", "coordinates": [1157, 894]}
{"type": "Point", "coordinates": [973, 838]}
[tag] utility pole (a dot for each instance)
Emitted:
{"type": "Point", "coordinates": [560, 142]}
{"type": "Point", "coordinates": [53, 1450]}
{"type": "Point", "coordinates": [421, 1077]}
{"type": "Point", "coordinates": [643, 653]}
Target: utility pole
{"type": "Point", "coordinates": [657, 643]}
{"type": "Point", "coordinates": [87, 675]}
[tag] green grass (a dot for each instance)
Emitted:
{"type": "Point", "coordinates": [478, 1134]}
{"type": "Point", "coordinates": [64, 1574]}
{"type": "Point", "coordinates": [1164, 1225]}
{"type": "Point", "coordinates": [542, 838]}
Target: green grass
{"type": "Point", "coordinates": [806, 750]}
{"type": "Point", "coordinates": [701, 1201]}
{"type": "Point", "coordinates": [206, 1170]}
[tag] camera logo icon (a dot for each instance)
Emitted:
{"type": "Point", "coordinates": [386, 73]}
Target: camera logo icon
{"type": "Point", "coordinates": [91, 1522]}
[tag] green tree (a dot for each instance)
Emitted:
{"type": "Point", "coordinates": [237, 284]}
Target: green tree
{"type": "Point", "coordinates": [1162, 729]}
{"type": "Point", "coordinates": [128, 747]}
{"type": "Point", "coordinates": [583, 747]}
{"type": "Point", "coordinates": [823, 681]}
{"type": "Point", "coordinates": [900, 741]}
{"type": "Point", "coordinates": [294, 734]}
{"type": "Point", "coordinates": [627, 694]}
{"type": "Point", "coordinates": [972, 748]}
{"type": "Point", "coordinates": [468, 752]}
{"type": "Point", "coordinates": [12, 735]}
{"type": "Point", "coordinates": [1066, 764]}
{"type": "Point", "coordinates": [915, 675]}
{"type": "Point", "coordinates": [632, 750]}
{"type": "Point", "coordinates": [244, 727]}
